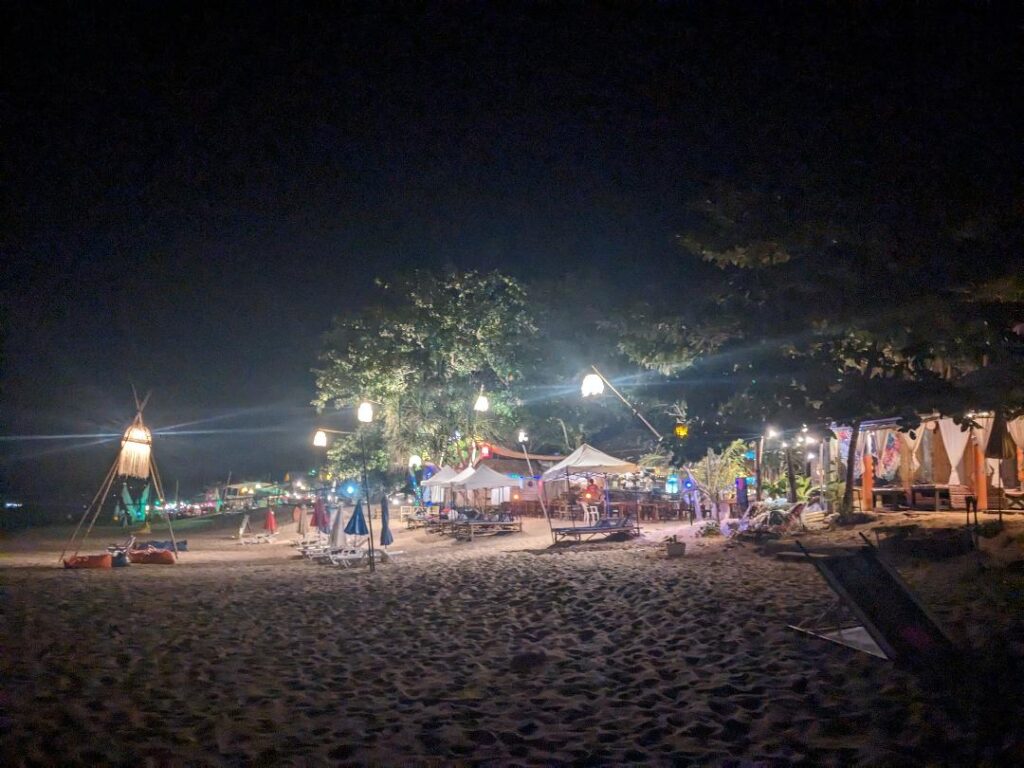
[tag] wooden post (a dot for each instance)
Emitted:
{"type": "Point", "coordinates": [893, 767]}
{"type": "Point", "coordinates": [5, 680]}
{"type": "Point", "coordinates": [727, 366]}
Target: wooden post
{"type": "Point", "coordinates": [906, 467]}
{"type": "Point", "coordinates": [980, 478]}
{"type": "Point", "coordinates": [867, 481]}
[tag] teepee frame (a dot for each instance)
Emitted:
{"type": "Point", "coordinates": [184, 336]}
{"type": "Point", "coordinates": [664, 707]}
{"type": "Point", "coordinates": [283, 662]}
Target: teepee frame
{"type": "Point", "coordinates": [133, 434]}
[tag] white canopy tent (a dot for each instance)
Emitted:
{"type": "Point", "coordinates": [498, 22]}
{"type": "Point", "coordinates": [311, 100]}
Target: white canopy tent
{"type": "Point", "coordinates": [461, 477]}
{"type": "Point", "coordinates": [434, 487]}
{"type": "Point", "coordinates": [587, 460]}
{"type": "Point", "coordinates": [485, 477]}
{"type": "Point", "coordinates": [441, 478]}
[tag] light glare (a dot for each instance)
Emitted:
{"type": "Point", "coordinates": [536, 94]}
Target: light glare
{"type": "Point", "coordinates": [592, 385]}
{"type": "Point", "coordinates": [365, 413]}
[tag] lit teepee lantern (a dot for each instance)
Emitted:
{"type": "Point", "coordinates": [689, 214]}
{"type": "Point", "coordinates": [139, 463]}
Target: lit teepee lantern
{"type": "Point", "coordinates": [136, 447]}
{"type": "Point", "coordinates": [134, 460]}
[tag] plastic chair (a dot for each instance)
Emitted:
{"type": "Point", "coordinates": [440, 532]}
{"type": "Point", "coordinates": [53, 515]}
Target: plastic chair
{"type": "Point", "coordinates": [591, 513]}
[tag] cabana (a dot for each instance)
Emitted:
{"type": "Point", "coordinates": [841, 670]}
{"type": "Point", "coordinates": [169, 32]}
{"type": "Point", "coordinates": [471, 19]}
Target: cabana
{"type": "Point", "coordinates": [938, 465]}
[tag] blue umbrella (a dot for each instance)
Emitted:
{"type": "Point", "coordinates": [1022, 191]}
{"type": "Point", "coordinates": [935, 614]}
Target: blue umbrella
{"type": "Point", "coordinates": [385, 530]}
{"type": "Point", "coordinates": [357, 523]}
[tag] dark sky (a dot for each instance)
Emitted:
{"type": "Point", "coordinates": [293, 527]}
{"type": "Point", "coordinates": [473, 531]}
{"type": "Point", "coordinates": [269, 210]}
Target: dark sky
{"type": "Point", "coordinates": [191, 194]}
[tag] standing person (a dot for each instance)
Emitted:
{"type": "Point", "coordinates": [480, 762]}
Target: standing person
{"type": "Point", "coordinates": [591, 494]}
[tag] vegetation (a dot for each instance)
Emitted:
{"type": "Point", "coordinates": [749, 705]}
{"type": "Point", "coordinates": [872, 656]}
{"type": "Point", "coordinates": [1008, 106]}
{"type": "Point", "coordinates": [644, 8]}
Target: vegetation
{"type": "Point", "coordinates": [423, 352]}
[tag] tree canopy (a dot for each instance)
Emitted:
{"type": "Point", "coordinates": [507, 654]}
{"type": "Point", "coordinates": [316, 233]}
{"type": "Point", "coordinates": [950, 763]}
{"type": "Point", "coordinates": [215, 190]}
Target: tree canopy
{"type": "Point", "coordinates": [422, 352]}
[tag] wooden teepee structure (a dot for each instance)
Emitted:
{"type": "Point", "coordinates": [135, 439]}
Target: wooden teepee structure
{"type": "Point", "coordinates": [135, 459]}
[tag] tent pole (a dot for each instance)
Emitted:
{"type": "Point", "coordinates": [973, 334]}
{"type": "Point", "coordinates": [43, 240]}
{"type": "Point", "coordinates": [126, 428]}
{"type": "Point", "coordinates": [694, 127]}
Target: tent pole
{"type": "Point", "coordinates": [568, 495]}
{"type": "Point", "coordinates": [540, 496]}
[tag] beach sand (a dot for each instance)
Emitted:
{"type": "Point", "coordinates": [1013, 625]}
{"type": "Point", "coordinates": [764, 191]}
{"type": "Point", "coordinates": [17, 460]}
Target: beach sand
{"type": "Point", "coordinates": [501, 651]}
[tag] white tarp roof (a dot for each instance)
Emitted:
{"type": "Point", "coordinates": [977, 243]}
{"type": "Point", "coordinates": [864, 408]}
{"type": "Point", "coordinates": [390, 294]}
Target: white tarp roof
{"type": "Point", "coordinates": [485, 477]}
{"type": "Point", "coordinates": [460, 478]}
{"type": "Point", "coordinates": [588, 460]}
{"type": "Point", "coordinates": [442, 477]}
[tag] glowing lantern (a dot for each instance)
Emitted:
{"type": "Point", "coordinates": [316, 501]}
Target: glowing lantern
{"type": "Point", "coordinates": [135, 451]}
{"type": "Point", "coordinates": [680, 430]}
{"type": "Point", "coordinates": [365, 413]}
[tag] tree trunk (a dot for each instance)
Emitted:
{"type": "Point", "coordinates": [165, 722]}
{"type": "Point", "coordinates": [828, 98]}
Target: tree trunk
{"type": "Point", "coordinates": [791, 476]}
{"type": "Point", "coordinates": [847, 506]}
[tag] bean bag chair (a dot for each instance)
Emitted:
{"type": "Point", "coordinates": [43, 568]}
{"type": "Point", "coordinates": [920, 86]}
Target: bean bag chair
{"type": "Point", "coordinates": [89, 561]}
{"type": "Point", "coordinates": [152, 556]}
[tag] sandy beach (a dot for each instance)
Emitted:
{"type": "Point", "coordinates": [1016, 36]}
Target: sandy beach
{"type": "Point", "coordinates": [501, 651]}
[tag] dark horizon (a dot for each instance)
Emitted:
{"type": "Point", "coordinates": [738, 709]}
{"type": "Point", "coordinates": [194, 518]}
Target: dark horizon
{"type": "Point", "coordinates": [194, 195]}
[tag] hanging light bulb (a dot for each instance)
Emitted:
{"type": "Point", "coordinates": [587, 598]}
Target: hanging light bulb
{"type": "Point", "coordinates": [482, 403]}
{"type": "Point", "coordinates": [592, 385]}
{"type": "Point", "coordinates": [320, 439]}
{"type": "Point", "coordinates": [365, 413]}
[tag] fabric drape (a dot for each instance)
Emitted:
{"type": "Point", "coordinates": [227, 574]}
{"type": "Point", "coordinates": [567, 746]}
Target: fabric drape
{"type": "Point", "coordinates": [955, 441]}
{"type": "Point", "coordinates": [887, 452]}
{"type": "Point", "coordinates": [1016, 428]}
{"type": "Point", "coordinates": [913, 443]}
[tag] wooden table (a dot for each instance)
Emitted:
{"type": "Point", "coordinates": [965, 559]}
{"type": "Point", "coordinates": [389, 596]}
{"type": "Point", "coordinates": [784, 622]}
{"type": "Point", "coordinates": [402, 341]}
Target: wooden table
{"type": "Point", "coordinates": [938, 491]}
{"type": "Point", "coordinates": [894, 495]}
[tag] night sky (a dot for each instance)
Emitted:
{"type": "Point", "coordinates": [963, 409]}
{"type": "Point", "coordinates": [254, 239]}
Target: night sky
{"type": "Point", "coordinates": [190, 195]}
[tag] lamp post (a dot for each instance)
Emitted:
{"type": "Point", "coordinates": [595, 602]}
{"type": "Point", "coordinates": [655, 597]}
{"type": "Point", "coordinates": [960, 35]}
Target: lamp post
{"type": "Point", "coordinates": [594, 383]}
{"type": "Point", "coordinates": [770, 434]}
{"type": "Point", "coordinates": [365, 416]}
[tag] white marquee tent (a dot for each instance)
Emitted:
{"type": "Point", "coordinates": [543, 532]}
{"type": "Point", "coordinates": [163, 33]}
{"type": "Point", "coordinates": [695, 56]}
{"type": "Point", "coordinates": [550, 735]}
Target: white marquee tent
{"type": "Point", "coordinates": [587, 460]}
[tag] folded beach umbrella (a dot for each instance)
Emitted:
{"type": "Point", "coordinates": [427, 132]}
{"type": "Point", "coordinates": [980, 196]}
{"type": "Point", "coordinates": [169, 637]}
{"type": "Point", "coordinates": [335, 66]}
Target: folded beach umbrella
{"type": "Point", "coordinates": [357, 523]}
{"type": "Point", "coordinates": [303, 520]}
{"type": "Point", "coordinates": [337, 538]}
{"type": "Point", "coordinates": [1000, 443]}
{"type": "Point", "coordinates": [270, 524]}
{"type": "Point", "coordinates": [386, 539]}
{"type": "Point", "coordinates": [320, 518]}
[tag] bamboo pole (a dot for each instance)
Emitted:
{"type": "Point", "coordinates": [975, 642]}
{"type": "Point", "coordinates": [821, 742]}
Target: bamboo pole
{"type": "Point", "coordinates": [100, 495]}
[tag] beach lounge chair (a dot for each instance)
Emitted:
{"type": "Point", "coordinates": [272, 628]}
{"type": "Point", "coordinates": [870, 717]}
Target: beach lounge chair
{"type": "Point", "coordinates": [347, 557]}
{"type": "Point", "coordinates": [603, 529]}
{"type": "Point", "coordinates": [246, 535]}
{"type": "Point", "coordinates": [875, 611]}
{"type": "Point", "coordinates": [387, 555]}
{"type": "Point", "coordinates": [466, 530]}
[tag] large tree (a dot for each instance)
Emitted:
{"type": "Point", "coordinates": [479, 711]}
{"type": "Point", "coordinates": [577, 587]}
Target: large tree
{"type": "Point", "coordinates": [423, 351]}
{"type": "Point", "coordinates": [799, 317]}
